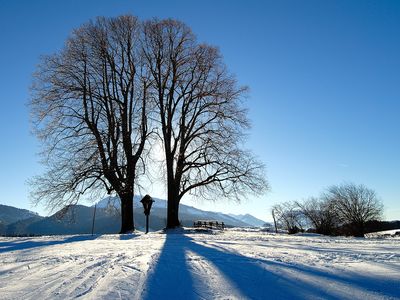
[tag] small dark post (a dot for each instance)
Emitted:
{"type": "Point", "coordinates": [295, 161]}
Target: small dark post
{"type": "Point", "coordinates": [147, 202]}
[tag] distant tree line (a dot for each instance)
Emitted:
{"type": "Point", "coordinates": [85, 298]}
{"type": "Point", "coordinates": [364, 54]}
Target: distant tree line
{"type": "Point", "coordinates": [346, 209]}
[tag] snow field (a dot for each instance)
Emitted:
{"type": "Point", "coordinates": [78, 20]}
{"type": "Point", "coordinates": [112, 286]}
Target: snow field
{"type": "Point", "coordinates": [233, 264]}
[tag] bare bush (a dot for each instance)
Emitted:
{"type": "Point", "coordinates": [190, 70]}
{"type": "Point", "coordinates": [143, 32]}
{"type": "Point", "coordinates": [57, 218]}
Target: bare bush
{"type": "Point", "coordinates": [320, 213]}
{"type": "Point", "coordinates": [354, 205]}
{"type": "Point", "coordinates": [289, 217]}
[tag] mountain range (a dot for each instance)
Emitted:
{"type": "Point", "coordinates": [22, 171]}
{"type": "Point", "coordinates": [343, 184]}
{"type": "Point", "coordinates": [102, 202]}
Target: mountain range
{"type": "Point", "coordinates": [79, 218]}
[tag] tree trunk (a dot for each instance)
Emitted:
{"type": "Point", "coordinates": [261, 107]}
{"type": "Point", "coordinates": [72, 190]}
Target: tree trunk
{"type": "Point", "coordinates": [173, 207]}
{"type": "Point", "coordinates": [127, 224]}
{"type": "Point", "coordinates": [358, 229]}
{"type": "Point", "coordinates": [173, 192]}
{"type": "Point", "coordinates": [273, 216]}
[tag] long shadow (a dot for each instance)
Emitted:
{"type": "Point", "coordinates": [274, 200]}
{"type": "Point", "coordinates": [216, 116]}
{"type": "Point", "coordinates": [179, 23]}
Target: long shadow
{"type": "Point", "coordinates": [251, 277]}
{"type": "Point", "coordinates": [128, 236]}
{"type": "Point", "coordinates": [388, 287]}
{"type": "Point", "coordinates": [172, 277]}
{"type": "Point", "coordinates": [29, 244]}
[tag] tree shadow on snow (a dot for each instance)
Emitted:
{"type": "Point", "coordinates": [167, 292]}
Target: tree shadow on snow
{"type": "Point", "coordinates": [128, 236]}
{"type": "Point", "coordinates": [181, 272]}
{"type": "Point", "coordinates": [320, 282]}
{"type": "Point", "coordinates": [28, 243]}
{"type": "Point", "coordinates": [170, 278]}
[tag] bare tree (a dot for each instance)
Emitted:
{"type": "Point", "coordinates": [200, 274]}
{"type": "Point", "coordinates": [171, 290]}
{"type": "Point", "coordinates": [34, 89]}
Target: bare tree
{"type": "Point", "coordinates": [320, 213]}
{"type": "Point", "coordinates": [201, 118]}
{"type": "Point", "coordinates": [354, 205]}
{"type": "Point", "coordinates": [274, 218]}
{"type": "Point", "coordinates": [89, 109]}
{"type": "Point", "coordinates": [288, 216]}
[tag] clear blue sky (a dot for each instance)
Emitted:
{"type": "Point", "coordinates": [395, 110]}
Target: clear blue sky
{"type": "Point", "coordinates": [324, 79]}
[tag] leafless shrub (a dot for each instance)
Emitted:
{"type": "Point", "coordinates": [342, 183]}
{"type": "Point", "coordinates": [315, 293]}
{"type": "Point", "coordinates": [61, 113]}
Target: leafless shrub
{"type": "Point", "coordinates": [320, 214]}
{"type": "Point", "coordinates": [288, 216]}
{"type": "Point", "coordinates": [354, 205]}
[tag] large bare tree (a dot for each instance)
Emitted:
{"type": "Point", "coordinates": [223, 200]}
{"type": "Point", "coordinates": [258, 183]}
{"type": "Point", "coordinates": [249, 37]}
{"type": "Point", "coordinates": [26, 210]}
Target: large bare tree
{"type": "Point", "coordinates": [354, 205]}
{"type": "Point", "coordinates": [201, 118]}
{"type": "Point", "coordinates": [89, 109]}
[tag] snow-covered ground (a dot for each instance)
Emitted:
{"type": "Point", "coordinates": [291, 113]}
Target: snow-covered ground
{"type": "Point", "coordinates": [384, 234]}
{"type": "Point", "coordinates": [234, 264]}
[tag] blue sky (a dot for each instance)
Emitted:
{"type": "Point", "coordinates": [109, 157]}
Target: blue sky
{"type": "Point", "coordinates": [324, 80]}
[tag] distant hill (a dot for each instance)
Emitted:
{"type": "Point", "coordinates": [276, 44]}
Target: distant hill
{"type": "Point", "coordinates": [249, 219]}
{"type": "Point", "coordinates": [79, 218]}
{"type": "Point", "coordinates": [10, 215]}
